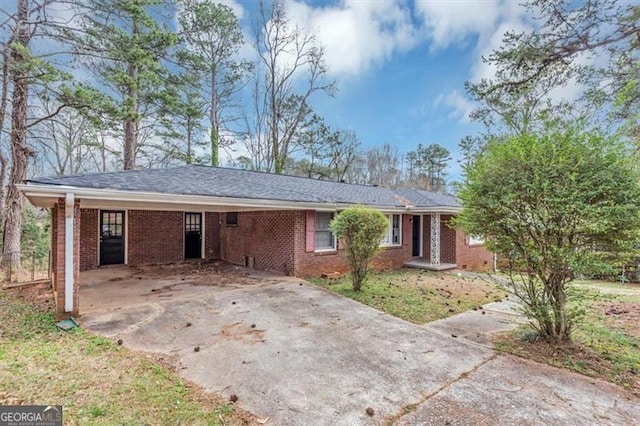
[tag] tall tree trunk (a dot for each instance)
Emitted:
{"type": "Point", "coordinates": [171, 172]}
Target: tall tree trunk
{"type": "Point", "coordinates": [213, 118]}
{"type": "Point", "coordinates": [189, 124]}
{"type": "Point", "coordinates": [3, 111]}
{"type": "Point", "coordinates": [131, 121]}
{"type": "Point", "coordinates": [19, 150]}
{"type": "Point", "coordinates": [131, 118]}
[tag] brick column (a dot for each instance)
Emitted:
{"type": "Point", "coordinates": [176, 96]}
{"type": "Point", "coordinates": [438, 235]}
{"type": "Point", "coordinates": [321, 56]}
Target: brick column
{"type": "Point", "coordinates": [58, 265]}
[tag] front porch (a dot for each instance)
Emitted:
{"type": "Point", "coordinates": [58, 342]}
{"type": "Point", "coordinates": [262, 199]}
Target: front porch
{"type": "Point", "coordinates": [421, 263]}
{"type": "Point", "coordinates": [434, 242]}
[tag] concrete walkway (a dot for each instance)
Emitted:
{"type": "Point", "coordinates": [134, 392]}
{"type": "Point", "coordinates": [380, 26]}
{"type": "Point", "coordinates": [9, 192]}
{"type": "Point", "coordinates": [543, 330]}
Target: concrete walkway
{"type": "Point", "coordinates": [480, 325]}
{"type": "Point", "coordinates": [296, 354]}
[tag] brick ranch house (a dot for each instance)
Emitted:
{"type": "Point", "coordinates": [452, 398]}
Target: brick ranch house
{"type": "Point", "coordinates": [270, 222]}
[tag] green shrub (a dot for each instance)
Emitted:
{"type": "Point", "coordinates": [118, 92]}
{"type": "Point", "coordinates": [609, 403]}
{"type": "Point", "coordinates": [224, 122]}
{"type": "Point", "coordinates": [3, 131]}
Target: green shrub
{"type": "Point", "coordinates": [362, 230]}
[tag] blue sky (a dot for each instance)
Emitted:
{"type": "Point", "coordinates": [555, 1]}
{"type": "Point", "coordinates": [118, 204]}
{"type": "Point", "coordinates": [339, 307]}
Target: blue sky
{"type": "Point", "coordinates": [401, 66]}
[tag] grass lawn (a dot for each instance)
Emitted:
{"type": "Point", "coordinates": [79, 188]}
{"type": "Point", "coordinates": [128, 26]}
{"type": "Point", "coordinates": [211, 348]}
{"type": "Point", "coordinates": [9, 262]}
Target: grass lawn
{"type": "Point", "coordinates": [96, 381]}
{"type": "Point", "coordinates": [416, 295]}
{"type": "Point", "coordinates": [605, 342]}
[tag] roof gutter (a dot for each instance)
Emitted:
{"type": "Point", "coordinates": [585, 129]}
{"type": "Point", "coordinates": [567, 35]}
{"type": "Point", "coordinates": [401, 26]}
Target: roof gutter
{"type": "Point", "coordinates": [55, 192]}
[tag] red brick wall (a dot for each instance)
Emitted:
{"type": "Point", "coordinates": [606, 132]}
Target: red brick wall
{"type": "Point", "coordinates": [473, 258]}
{"type": "Point", "coordinates": [212, 236]}
{"type": "Point", "coordinates": [267, 236]}
{"type": "Point", "coordinates": [447, 240]}
{"type": "Point", "coordinates": [275, 239]}
{"type": "Point", "coordinates": [308, 264]}
{"type": "Point", "coordinates": [155, 236]}
{"type": "Point", "coordinates": [89, 256]}
{"type": "Point", "coordinates": [54, 238]}
{"type": "Point", "coordinates": [426, 237]}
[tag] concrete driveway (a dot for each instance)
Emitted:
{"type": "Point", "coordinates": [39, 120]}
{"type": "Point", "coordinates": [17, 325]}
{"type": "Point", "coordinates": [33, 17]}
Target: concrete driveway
{"type": "Point", "coordinates": [297, 354]}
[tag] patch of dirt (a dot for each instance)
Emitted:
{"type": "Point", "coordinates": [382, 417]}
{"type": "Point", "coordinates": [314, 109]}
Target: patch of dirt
{"type": "Point", "coordinates": [39, 295]}
{"type": "Point", "coordinates": [623, 316]}
{"type": "Point", "coordinates": [239, 331]}
{"type": "Point", "coordinates": [219, 274]}
{"type": "Point", "coordinates": [455, 287]}
{"type": "Point", "coordinates": [569, 355]}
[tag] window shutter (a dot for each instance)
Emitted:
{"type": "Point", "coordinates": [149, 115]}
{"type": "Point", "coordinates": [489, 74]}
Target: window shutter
{"type": "Point", "coordinates": [311, 231]}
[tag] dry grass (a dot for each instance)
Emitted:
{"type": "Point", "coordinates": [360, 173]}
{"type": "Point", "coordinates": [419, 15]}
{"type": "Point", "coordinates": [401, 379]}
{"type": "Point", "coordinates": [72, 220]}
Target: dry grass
{"type": "Point", "coordinates": [605, 342]}
{"type": "Point", "coordinates": [416, 295]}
{"type": "Point", "coordinates": [97, 381]}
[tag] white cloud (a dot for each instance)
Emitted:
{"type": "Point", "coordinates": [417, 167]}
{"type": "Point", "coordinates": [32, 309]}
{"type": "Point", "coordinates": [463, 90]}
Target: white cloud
{"type": "Point", "coordinates": [460, 105]}
{"type": "Point", "coordinates": [237, 8]}
{"type": "Point", "coordinates": [356, 34]}
{"type": "Point", "coordinates": [453, 22]}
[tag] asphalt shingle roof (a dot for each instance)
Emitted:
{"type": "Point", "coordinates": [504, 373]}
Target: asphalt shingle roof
{"type": "Point", "coordinates": [224, 182]}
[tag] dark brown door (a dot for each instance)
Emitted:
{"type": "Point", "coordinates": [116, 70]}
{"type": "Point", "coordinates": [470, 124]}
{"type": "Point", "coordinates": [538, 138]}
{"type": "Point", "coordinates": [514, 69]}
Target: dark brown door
{"type": "Point", "coordinates": [111, 237]}
{"type": "Point", "coordinates": [192, 235]}
{"type": "Point", "coordinates": [417, 231]}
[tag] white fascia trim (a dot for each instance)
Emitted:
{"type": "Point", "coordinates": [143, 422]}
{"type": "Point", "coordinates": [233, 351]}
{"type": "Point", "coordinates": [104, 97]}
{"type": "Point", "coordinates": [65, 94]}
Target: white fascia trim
{"type": "Point", "coordinates": [437, 209]}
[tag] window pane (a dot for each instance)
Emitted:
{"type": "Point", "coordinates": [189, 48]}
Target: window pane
{"type": "Point", "coordinates": [324, 239]}
{"type": "Point", "coordinates": [232, 218]}
{"type": "Point", "coordinates": [395, 229]}
{"type": "Point", "coordinates": [324, 236]}
{"type": "Point", "coordinates": [475, 240]}
{"type": "Point", "coordinates": [385, 239]}
{"type": "Point", "coordinates": [323, 219]}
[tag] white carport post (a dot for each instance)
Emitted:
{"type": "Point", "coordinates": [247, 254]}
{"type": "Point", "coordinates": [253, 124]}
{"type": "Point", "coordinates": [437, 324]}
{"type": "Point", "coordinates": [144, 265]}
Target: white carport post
{"type": "Point", "coordinates": [69, 213]}
{"type": "Point", "coordinates": [435, 239]}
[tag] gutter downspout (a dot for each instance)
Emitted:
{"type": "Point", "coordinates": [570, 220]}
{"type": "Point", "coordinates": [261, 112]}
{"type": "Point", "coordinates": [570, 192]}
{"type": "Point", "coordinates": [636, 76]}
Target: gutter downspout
{"type": "Point", "coordinates": [69, 207]}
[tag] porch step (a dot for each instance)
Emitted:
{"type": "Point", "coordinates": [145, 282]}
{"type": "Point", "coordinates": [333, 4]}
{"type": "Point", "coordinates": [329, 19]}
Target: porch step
{"type": "Point", "coordinates": [430, 266]}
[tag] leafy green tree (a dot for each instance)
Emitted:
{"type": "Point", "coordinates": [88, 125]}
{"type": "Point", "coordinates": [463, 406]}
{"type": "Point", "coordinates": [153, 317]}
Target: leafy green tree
{"type": "Point", "coordinates": [126, 48]}
{"type": "Point", "coordinates": [531, 64]}
{"type": "Point", "coordinates": [23, 74]}
{"type": "Point", "coordinates": [362, 230]}
{"type": "Point", "coordinates": [35, 233]}
{"type": "Point", "coordinates": [552, 204]}
{"type": "Point", "coordinates": [182, 130]}
{"type": "Point", "coordinates": [428, 167]}
{"type": "Point", "coordinates": [212, 37]}
{"type": "Point", "coordinates": [470, 147]}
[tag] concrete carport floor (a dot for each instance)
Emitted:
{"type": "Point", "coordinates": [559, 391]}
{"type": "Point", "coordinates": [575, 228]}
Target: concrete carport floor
{"type": "Point", "coordinates": [297, 354]}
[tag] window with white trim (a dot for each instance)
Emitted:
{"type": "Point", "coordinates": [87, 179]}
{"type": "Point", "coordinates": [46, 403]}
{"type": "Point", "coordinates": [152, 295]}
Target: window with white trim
{"type": "Point", "coordinates": [325, 239]}
{"type": "Point", "coordinates": [393, 236]}
{"type": "Point", "coordinates": [475, 240]}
